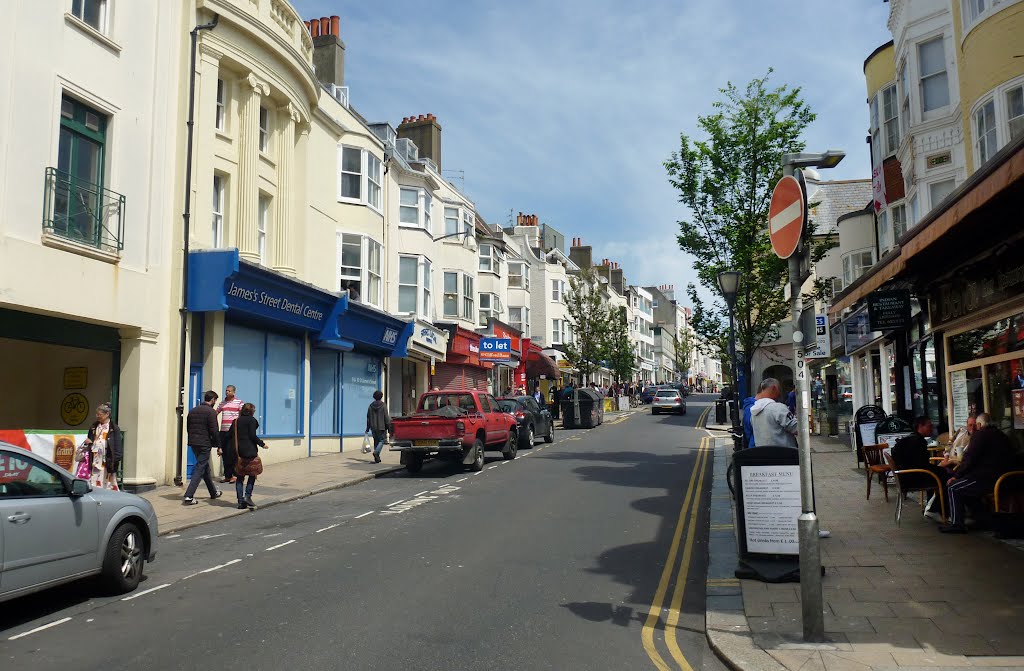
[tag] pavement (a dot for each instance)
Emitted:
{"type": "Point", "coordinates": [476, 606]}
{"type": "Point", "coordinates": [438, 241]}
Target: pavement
{"type": "Point", "coordinates": [587, 553]}
{"type": "Point", "coordinates": [895, 598]}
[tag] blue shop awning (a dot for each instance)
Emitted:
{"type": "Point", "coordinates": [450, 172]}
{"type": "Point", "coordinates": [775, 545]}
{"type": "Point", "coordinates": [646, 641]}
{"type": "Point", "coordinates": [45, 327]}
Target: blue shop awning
{"type": "Point", "coordinates": [219, 281]}
{"type": "Point", "coordinates": [367, 328]}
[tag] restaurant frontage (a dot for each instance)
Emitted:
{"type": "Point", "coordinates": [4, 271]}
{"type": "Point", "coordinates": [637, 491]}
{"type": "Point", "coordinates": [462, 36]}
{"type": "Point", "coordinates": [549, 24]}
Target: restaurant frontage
{"type": "Point", "coordinates": [961, 350]}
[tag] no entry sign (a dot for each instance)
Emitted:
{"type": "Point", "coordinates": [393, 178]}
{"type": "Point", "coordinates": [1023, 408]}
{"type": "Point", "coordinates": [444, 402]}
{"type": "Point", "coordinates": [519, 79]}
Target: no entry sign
{"type": "Point", "coordinates": [786, 216]}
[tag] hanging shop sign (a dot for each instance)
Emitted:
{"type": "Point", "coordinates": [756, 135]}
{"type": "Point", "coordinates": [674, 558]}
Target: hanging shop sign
{"type": "Point", "coordinates": [978, 286]}
{"type": "Point", "coordinates": [857, 332]}
{"type": "Point", "coordinates": [496, 349]}
{"type": "Point", "coordinates": [889, 310]}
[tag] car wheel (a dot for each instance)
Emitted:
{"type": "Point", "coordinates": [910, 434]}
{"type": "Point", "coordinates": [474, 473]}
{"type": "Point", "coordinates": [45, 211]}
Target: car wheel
{"type": "Point", "coordinates": [478, 456]}
{"type": "Point", "coordinates": [414, 462]}
{"type": "Point", "coordinates": [550, 438]}
{"type": "Point", "coordinates": [512, 446]}
{"type": "Point", "coordinates": [124, 559]}
{"type": "Point", "coordinates": [528, 439]}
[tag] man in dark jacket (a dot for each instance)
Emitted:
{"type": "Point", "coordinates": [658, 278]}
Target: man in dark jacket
{"type": "Point", "coordinates": [988, 456]}
{"type": "Point", "coordinates": [378, 422]}
{"type": "Point", "coordinates": [203, 434]}
{"type": "Point", "coordinates": [911, 452]}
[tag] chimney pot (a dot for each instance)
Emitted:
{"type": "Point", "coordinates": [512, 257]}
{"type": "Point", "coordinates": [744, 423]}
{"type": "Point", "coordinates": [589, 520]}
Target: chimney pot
{"type": "Point", "coordinates": [325, 26]}
{"type": "Point", "coordinates": [336, 26]}
{"type": "Point", "coordinates": [314, 28]}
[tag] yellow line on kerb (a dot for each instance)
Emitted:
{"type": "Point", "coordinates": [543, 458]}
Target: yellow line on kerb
{"type": "Point", "coordinates": [684, 570]}
{"type": "Point", "coordinates": [654, 614]}
{"type": "Point", "coordinates": [702, 421]}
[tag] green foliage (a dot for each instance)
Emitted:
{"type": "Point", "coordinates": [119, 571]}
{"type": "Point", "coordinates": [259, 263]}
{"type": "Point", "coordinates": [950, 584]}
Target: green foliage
{"type": "Point", "coordinates": [590, 323]}
{"type": "Point", "coordinates": [725, 180]}
{"type": "Point", "coordinates": [683, 346]}
{"type": "Point", "coordinates": [618, 349]}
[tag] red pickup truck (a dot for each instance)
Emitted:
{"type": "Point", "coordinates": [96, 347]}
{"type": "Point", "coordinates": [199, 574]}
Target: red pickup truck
{"type": "Point", "coordinates": [454, 425]}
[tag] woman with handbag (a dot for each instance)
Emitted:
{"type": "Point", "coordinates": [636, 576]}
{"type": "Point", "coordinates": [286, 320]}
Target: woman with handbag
{"type": "Point", "coordinates": [100, 453]}
{"type": "Point", "coordinates": [244, 441]}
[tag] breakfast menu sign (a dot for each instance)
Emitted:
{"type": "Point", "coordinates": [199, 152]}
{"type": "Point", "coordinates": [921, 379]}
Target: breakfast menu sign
{"type": "Point", "coordinates": [771, 506]}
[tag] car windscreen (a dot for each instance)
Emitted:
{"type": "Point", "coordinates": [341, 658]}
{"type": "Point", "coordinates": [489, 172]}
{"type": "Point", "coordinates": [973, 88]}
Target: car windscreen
{"type": "Point", "coordinates": [508, 405]}
{"type": "Point", "coordinates": [457, 402]}
{"type": "Point", "coordinates": [668, 393]}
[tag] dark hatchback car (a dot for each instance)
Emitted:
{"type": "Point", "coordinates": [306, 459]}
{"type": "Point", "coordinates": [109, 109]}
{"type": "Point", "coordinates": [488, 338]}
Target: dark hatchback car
{"type": "Point", "coordinates": [648, 393]}
{"type": "Point", "coordinates": [533, 419]}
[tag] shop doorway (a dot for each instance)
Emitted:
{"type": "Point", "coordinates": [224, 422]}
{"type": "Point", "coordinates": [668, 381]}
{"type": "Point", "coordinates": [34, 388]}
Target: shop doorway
{"type": "Point", "coordinates": [195, 397]}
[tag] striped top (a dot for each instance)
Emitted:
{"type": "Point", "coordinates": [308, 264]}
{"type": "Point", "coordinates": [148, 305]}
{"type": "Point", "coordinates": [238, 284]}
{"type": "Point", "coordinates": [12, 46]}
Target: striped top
{"type": "Point", "coordinates": [229, 412]}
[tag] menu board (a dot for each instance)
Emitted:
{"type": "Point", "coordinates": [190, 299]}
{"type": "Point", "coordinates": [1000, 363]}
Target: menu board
{"type": "Point", "coordinates": [771, 507]}
{"type": "Point", "coordinates": [958, 387]}
{"type": "Point", "coordinates": [867, 433]}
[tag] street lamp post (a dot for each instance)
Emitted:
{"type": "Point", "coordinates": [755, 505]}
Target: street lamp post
{"type": "Point", "coordinates": [729, 284]}
{"type": "Point", "coordinates": [807, 524]}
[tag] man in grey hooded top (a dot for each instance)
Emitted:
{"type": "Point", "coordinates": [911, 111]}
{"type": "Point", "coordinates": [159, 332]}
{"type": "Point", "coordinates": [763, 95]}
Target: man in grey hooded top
{"type": "Point", "coordinates": [378, 422]}
{"type": "Point", "coordinates": [772, 421]}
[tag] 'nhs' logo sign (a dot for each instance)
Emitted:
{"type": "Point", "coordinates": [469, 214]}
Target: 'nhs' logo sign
{"type": "Point", "coordinates": [390, 336]}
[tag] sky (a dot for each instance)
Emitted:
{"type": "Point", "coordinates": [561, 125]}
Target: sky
{"type": "Point", "coordinates": [568, 108]}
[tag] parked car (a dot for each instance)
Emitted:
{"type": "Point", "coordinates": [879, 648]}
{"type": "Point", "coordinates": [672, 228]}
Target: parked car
{"type": "Point", "coordinates": [457, 426]}
{"type": "Point", "coordinates": [532, 419]}
{"type": "Point", "coordinates": [647, 395]}
{"type": "Point", "coordinates": [668, 400]}
{"type": "Point", "coordinates": [57, 528]}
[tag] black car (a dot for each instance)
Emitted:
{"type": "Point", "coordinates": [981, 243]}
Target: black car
{"type": "Point", "coordinates": [533, 419]}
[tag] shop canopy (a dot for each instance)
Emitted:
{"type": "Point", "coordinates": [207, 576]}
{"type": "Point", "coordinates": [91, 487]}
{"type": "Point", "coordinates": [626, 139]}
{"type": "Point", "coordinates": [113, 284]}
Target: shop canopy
{"type": "Point", "coordinates": [219, 281]}
{"type": "Point", "coordinates": [538, 364]}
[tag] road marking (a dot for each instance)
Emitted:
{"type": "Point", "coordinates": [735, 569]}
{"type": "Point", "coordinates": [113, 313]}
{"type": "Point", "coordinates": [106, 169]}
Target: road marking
{"type": "Point", "coordinates": [363, 515]}
{"type": "Point", "coordinates": [220, 566]}
{"type": "Point", "coordinates": [478, 473]}
{"type": "Point", "coordinates": [462, 479]}
{"type": "Point", "coordinates": [279, 545]}
{"type": "Point", "coordinates": [39, 629]}
{"type": "Point", "coordinates": [654, 614]}
{"type": "Point", "coordinates": [672, 625]}
{"type": "Point", "coordinates": [209, 536]}
{"type": "Point", "coordinates": [702, 420]}
{"type": "Point", "coordinates": [402, 501]}
{"type": "Point", "coordinates": [327, 528]}
{"type": "Point", "coordinates": [174, 536]}
{"type": "Point", "coordinates": [418, 494]}
{"type": "Point", "coordinates": [279, 533]}
{"type": "Point", "coordinates": [722, 582]}
{"type": "Point", "coordinates": [719, 527]}
{"type": "Point", "coordinates": [145, 592]}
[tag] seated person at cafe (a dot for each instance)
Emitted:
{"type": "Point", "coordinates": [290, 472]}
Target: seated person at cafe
{"type": "Point", "coordinates": [988, 456]}
{"type": "Point", "coordinates": [962, 439]}
{"type": "Point", "coordinates": [911, 452]}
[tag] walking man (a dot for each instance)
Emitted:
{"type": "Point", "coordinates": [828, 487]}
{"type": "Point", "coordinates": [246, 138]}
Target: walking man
{"type": "Point", "coordinates": [201, 425]}
{"type": "Point", "coordinates": [378, 422]}
{"type": "Point", "coordinates": [228, 411]}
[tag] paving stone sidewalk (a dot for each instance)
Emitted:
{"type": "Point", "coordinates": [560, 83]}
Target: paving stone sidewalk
{"type": "Point", "coordinates": [279, 483]}
{"type": "Point", "coordinates": [902, 597]}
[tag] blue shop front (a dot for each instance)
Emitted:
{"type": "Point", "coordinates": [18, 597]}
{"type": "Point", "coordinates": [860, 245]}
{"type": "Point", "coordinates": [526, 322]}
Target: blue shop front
{"type": "Point", "coordinates": [308, 359]}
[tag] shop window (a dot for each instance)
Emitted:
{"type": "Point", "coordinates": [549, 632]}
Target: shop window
{"type": "Point", "coordinates": [1000, 337]}
{"type": "Point", "coordinates": [266, 369]}
{"type": "Point", "coordinates": [324, 393]}
{"type": "Point", "coordinates": [360, 377]}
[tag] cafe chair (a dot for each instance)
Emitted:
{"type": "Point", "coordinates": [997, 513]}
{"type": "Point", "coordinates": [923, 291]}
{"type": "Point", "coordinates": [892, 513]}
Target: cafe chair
{"type": "Point", "coordinates": [902, 491]}
{"type": "Point", "coordinates": [874, 465]}
{"type": "Point", "coordinates": [1000, 484]}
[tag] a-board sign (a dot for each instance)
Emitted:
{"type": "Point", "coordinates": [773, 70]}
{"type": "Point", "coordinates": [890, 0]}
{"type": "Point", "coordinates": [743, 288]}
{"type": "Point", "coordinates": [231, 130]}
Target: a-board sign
{"type": "Point", "coordinates": [771, 504]}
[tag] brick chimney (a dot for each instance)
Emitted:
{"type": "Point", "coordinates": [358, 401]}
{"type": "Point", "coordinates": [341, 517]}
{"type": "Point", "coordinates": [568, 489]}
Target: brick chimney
{"type": "Point", "coordinates": [580, 254]}
{"type": "Point", "coordinates": [328, 50]}
{"type": "Point", "coordinates": [425, 132]}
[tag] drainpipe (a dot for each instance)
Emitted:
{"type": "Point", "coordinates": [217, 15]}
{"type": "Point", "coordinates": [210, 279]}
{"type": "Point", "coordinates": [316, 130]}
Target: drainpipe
{"type": "Point", "coordinates": [186, 215]}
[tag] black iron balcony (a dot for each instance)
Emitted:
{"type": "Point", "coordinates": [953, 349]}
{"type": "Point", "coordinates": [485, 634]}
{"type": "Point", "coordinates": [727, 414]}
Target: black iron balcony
{"type": "Point", "coordinates": [83, 212]}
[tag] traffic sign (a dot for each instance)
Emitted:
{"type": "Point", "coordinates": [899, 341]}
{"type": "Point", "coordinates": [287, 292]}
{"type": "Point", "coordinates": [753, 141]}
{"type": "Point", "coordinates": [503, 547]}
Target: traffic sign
{"type": "Point", "coordinates": [495, 349]}
{"type": "Point", "coordinates": [787, 215]}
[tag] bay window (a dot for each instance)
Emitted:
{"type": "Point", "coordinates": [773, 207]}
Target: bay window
{"type": "Point", "coordinates": [490, 306]}
{"type": "Point", "coordinates": [985, 132]}
{"type": "Point", "coordinates": [451, 221]}
{"type": "Point", "coordinates": [1015, 112]}
{"type": "Point", "coordinates": [931, 56]}
{"type": "Point", "coordinates": [360, 268]}
{"type": "Point", "coordinates": [453, 281]}
{"type": "Point", "coordinates": [374, 178]}
{"type": "Point", "coordinates": [414, 285]}
{"type": "Point", "coordinates": [450, 306]}
{"type": "Point", "coordinates": [351, 174]}
{"type": "Point", "coordinates": [557, 331]}
{"type": "Point", "coordinates": [899, 221]}
{"type": "Point", "coordinates": [518, 275]}
{"type": "Point", "coordinates": [490, 259]}
{"type": "Point", "coordinates": [414, 207]}
{"type": "Point", "coordinates": [890, 120]}
{"type": "Point", "coordinates": [856, 264]}
{"type": "Point", "coordinates": [557, 290]}
{"type": "Point", "coordinates": [468, 297]}
{"type": "Point", "coordinates": [519, 319]}
{"type": "Point", "coordinates": [361, 177]}
{"type": "Point", "coordinates": [939, 190]}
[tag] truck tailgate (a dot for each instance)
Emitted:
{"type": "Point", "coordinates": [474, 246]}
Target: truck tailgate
{"type": "Point", "coordinates": [427, 429]}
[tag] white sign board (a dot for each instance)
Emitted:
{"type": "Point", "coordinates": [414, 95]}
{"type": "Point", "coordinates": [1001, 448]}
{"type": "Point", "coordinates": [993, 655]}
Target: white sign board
{"type": "Point", "coordinates": [771, 507]}
{"type": "Point", "coordinates": [961, 403]}
{"type": "Point", "coordinates": [822, 347]}
{"type": "Point", "coordinates": [801, 366]}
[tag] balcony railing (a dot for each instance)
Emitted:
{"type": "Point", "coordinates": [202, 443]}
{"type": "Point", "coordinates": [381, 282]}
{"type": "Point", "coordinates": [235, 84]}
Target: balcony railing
{"type": "Point", "coordinates": [83, 212]}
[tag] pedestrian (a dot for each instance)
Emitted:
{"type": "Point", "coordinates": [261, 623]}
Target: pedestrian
{"type": "Point", "coordinates": [556, 397]}
{"type": "Point", "coordinates": [248, 465]}
{"type": "Point", "coordinates": [101, 451]}
{"type": "Point", "coordinates": [989, 455]}
{"type": "Point", "coordinates": [748, 427]}
{"type": "Point", "coordinates": [228, 411]}
{"type": "Point", "coordinates": [791, 399]}
{"type": "Point", "coordinates": [538, 395]}
{"type": "Point", "coordinates": [378, 421]}
{"type": "Point", "coordinates": [203, 435]}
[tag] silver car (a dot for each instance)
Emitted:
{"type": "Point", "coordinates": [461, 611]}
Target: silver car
{"type": "Point", "coordinates": [668, 400]}
{"type": "Point", "coordinates": [55, 528]}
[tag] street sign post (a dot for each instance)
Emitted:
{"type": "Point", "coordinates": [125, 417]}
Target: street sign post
{"type": "Point", "coordinates": [787, 216]}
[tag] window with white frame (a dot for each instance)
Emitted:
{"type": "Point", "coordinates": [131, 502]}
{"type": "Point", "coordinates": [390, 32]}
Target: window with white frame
{"type": "Point", "coordinates": [890, 120]}
{"type": "Point", "coordinates": [883, 232]}
{"type": "Point", "coordinates": [262, 225]}
{"type": "Point", "coordinates": [490, 306]}
{"type": "Point", "coordinates": [361, 175]}
{"type": "Point", "coordinates": [856, 264]}
{"type": "Point", "coordinates": [468, 221]}
{"type": "Point", "coordinates": [557, 290]}
{"type": "Point", "coordinates": [218, 210]}
{"type": "Point", "coordinates": [975, 11]}
{"type": "Point", "coordinates": [487, 258]}
{"type": "Point", "coordinates": [351, 174]}
{"type": "Point", "coordinates": [220, 114]}
{"type": "Point", "coordinates": [264, 130]}
{"type": "Point", "coordinates": [360, 267]}
{"type": "Point", "coordinates": [557, 331]}
{"type": "Point", "coordinates": [414, 207]}
{"type": "Point", "coordinates": [518, 275]}
{"type": "Point", "coordinates": [451, 221]}
{"type": "Point", "coordinates": [374, 179]}
{"type": "Point", "coordinates": [899, 221]}
{"type": "Point", "coordinates": [519, 319]}
{"type": "Point", "coordinates": [931, 57]}
{"type": "Point", "coordinates": [450, 306]}
{"type": "Point", "coordinates": [1015, 112]}
{"type": "Point", "coordinates": [985, 131]}
{"type": "Point", "coordinates": [904, 99]}
{"type": "Point", "coordinates": [427, 271]}
{"type": "Point", "coordinates": [938, 191]}
{"type": "Point", "coordinates": [414, 280]}
{"type": "Point", "coordinates": [914, 211]}
{"type": "Point", "coordinates": [468, 296]}
{"type": "Point", "coordinates": [91, 12]}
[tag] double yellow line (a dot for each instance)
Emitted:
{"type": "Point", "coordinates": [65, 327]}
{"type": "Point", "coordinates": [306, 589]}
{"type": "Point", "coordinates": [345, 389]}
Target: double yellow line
{"type": "Point", "coordinates": [689, 524]}
{"type": "Point", "coordinates": [702, 421]}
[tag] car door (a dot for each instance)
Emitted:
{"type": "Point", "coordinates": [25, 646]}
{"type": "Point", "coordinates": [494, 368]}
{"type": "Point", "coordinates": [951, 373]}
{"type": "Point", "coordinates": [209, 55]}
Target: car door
{"type": "Point", "coordinates": [494, 418]}
{"type": "Point", "coordinates": [47, 534]}
{"type": "Point", "coordinates": [541, 418]}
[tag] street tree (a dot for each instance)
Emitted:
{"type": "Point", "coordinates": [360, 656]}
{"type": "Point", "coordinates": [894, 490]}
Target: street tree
{"type": "Point", "coordinates": [618, 350]}
{"type": "Point", "coordinates": [589, 318]}
{"type": "Point", "coordinates": [725, 179]}
{"type": "Point", "coordinates": [683, 347]}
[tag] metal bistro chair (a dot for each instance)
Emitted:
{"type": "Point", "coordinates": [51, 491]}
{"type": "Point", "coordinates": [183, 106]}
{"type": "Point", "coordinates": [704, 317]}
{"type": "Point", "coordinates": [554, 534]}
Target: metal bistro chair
{"type": "Point", "coordinates": [874, 464]}
{"type": "Point", "coordinates": [903, 491]}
